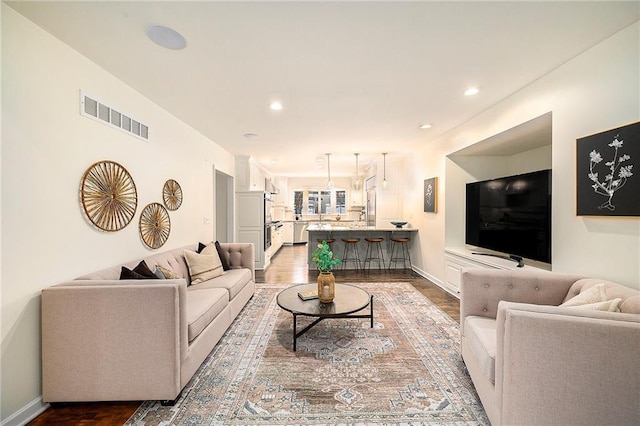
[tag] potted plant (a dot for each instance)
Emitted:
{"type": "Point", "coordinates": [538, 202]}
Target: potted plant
{"type": "Point", "coordinates": [325, 261]}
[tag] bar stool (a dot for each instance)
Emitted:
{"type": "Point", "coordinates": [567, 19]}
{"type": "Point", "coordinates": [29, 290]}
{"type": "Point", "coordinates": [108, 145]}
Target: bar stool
{"type": "Point", "coordinates": [374, 253]}
{"type": "Point", "coordinates": [329, 241]}
{"type": "Point", "coordinates": [404, 255]}
{"type": "Point", "coordinates": [351, 253]}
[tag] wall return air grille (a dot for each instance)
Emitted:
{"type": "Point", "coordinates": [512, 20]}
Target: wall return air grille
{"type": "Point", "coordinates": [92, 108]}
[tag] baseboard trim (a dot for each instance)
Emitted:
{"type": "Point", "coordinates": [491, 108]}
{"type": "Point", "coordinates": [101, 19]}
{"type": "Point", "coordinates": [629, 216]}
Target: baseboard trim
{"type": "Point", "coordinates": [436, 281]}
{"type": "Point", "coordinates": [26, 413]}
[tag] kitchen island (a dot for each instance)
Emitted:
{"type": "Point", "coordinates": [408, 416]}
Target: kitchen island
{"type": "Point", "coordinates": [338, 232]}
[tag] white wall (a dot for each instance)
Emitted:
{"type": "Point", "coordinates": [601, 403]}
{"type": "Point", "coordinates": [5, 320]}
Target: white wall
{"type": "Point", "coordinates": [46, 147]}
{"type": "Point", "coordinates": [595, 91]}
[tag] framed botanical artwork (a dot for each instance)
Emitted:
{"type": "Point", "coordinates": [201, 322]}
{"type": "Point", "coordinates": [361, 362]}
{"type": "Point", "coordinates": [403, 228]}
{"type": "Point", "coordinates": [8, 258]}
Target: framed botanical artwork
{"type": "Point", "coordinates": [431, 195]}
{"type": "Point", "coordinates": [608, 179]}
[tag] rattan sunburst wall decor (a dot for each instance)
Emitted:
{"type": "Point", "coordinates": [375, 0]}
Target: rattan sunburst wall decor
{"type": "Point", "coordinates": [108, 195]}
{"type": "Point", "coordinates": [172, 195]}
{"type": "Point", "coordinates": [155, 225]}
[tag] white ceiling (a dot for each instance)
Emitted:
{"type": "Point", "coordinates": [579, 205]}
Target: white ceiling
{"type": "Point", "coordinates": [352, 76]}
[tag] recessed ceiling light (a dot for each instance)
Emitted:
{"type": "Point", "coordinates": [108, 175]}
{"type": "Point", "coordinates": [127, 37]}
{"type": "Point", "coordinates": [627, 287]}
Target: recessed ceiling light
{"type": "Point", "coordinates": [166, 37]}
{"type": "Point", "coordinates": [250, 136]}
{"type": "Point", "coordinates": [276, 106]}
{"type": "Point", "coordinates": [471, 91]}
{"type": "Point", "coordinates": [426, 126]}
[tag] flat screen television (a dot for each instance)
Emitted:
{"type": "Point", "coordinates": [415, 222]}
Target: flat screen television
{"type": "Point", "coordinates": [511, 215]}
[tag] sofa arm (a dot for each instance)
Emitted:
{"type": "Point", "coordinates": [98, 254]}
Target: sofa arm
{"type": "Point", "coordinates": [240, 255]}
{"type": "Point", "coordinates": [482, 289]}
{"type": "Point", "coordinates": [566, 366]}
{"type": "Point", "coordinates": [113, 340]}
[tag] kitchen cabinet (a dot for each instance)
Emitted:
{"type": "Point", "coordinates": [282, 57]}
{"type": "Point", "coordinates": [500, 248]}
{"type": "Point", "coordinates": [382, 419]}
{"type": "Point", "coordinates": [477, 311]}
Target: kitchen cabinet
{"type": "Point", "coordinates": [458, 258]}
{"type": "Point", "coordinates": [249, 177]}
{"type": "Point", "coordinates": [250, 226]}
{"type": "Point", "coordinates": [288, 232]}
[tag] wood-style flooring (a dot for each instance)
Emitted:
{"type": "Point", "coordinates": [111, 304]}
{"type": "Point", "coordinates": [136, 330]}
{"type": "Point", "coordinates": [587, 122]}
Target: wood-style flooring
{"type": "Point", "coordinates": [288, 266]}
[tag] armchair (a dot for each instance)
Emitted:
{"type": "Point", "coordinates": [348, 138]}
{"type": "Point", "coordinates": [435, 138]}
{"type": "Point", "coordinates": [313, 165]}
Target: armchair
{"type": "Point", "coordinates": [536, 363]}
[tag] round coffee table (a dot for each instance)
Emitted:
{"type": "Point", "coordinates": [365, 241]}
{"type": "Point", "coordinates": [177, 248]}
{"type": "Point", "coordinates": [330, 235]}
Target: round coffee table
{"type": "Point", "coordinates": [348, 300]}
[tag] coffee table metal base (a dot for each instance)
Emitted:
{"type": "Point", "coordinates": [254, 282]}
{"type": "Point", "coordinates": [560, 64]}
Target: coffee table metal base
{"type": "Point", "coordinates": [350, 301]}
{"type": "Point", "coordinates": [297, 334]}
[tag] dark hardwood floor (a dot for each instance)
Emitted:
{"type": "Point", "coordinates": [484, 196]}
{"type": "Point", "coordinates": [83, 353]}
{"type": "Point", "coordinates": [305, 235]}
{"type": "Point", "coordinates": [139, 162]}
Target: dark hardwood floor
{"type": "Point", "coordinates": [288, 266]}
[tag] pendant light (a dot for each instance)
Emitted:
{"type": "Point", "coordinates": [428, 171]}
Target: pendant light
{"type": "Point", "coordinates": [384, 180]}
{"type": "Point", "coordinates": [357, 184]}
{"type": "Point", "coordinates": [329, 183]}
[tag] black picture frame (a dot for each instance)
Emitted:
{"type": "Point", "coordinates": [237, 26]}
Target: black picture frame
{"type": "Point", "coordinates": [431, 195]}
{"type": "Point", "coordinates": [608, 172]}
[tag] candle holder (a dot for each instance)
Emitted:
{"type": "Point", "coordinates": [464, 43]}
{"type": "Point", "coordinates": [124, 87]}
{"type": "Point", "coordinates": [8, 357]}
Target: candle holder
{"type": "Point", "coordinates": [326, 287]}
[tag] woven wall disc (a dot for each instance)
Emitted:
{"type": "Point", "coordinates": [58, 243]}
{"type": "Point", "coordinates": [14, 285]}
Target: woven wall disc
{"type": "Point", "coordinates": [172, 195]}
{"type": "Point", "coordinates": [108, 195]}
{"type": "Point", "coordinates": [155, 225]}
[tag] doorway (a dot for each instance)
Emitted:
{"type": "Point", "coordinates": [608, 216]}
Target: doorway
{"type": "Point", "coordinates": [223, 198]}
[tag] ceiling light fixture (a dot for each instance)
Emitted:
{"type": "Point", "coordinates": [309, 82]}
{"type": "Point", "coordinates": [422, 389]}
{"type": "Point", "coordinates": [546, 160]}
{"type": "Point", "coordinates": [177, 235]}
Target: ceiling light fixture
{"type": "Point", "coordinates": [329, 183]}
{"type": "Point", "coordinates": [276, 106]}
{"type": "Point", "coordinates": [250, 136]}
{"type": "Point", "coordinates": [357, 184]}
{"type": "Point", "coordinates": [166, 37]}
{"type": "Point", "coordinates": [426, 126]}
{"type": "Point", "coordinates": [471, 91]}
{"type": "Point", "coordinates": [384, 180]}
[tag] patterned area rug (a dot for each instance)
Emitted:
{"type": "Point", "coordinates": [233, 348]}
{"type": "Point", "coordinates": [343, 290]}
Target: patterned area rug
{"type": "Point", "coordinates": [407, 369]}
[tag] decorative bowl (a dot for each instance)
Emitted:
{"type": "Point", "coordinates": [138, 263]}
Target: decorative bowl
{"type": "Point", "coordinates": [399, 224]}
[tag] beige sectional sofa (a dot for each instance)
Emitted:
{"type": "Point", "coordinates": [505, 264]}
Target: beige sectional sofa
{"type": "Point", "coordinates": [534, 362]}
{"type": "Point", "coordinates": [107, 339]}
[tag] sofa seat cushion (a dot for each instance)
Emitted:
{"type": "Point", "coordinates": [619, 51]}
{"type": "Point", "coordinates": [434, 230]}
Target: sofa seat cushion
{"type": "Point", "coordinates": [202, 307]}
{"type": "Point", "coordinates": [233, 280]}
{"type": "Point", "coordinates": [481, 335]}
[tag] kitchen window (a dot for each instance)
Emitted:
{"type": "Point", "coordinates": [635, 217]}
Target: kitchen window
{"type": "Point", "coordinates": [313, 202]}
{"type": "Point", "coordinates": [325, 202]}
{"type": "Point", "coordinates": [341, 202]}
{"type": "Point", "coordinates": [298, 197]}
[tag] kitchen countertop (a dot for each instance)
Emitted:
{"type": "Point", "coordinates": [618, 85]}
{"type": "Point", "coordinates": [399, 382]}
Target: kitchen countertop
{"type": "Point", "coordinates": [324, 221]}
{"type": "Point", "coordinates": [337, 228]}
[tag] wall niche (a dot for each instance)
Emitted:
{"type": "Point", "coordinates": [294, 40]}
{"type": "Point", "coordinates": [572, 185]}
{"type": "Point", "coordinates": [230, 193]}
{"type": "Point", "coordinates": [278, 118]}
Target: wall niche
{"type": "Point", "coordinates": [521, 149]}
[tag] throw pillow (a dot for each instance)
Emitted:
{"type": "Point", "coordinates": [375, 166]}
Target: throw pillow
{"type": "Point", "coordinates": [144, 270]}
{"type": "Point", "coordinates": [201, 247]}
{"type": "Point", "coordinates": [223, 257]}
{"type": "Point", "coordinates": [140, 272]}
{"type": "Point", "coordinates": [128, 274]}
{"type": "Point", "coordinates": [607, 305]}
{"type": "Point", "coordinates": [593, 294]}
{"type": "Point", "coordinates": [167, 273]}
{"type": "Point", "coordinates": [158, 273]}
{"type": "Point", "coordinates": [204, 266]}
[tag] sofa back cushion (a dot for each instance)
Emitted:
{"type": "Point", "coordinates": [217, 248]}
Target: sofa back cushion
{"type": "Point", "coordinates": [630, 297]}
{"type": "Point", "coordinates": [172, 259]}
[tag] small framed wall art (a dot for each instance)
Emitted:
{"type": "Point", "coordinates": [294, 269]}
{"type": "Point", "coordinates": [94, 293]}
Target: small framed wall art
{"type": "Point", "coordinates": [608, 179]}
{"type": "Point", "coordinates": [431, 195]}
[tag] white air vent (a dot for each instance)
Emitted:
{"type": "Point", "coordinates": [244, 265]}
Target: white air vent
{"type": "Point", "coordinates": [90, 107]}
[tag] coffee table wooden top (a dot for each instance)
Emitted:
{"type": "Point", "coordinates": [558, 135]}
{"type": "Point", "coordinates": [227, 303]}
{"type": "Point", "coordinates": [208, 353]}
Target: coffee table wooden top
{"type": "Point", "coordinates": [348, 299]}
